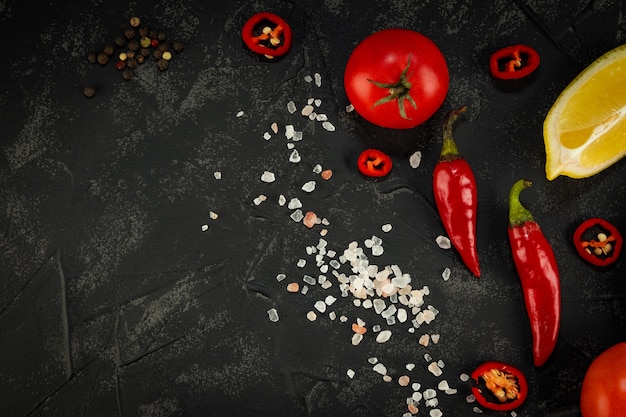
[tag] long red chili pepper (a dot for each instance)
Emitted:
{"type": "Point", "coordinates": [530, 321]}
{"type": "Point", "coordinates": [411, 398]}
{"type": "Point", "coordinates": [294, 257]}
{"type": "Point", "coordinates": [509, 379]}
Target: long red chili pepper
{"type": "Point", "coordinates": [454, 187]}
{"type": "Point", "coordinates": [538, 272]}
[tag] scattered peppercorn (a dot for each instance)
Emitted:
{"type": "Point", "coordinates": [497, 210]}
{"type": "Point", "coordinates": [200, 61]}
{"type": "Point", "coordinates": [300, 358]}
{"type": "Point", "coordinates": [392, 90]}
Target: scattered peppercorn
{"type": "Point", "coordinates": [145, 42]}
{"type": "Point", "coordinates": [140, 59]}
{"type": "Point", "coordinates": [145, 52]}
{"type": "Point", "coordinates": [154, 42]}
{"type": "Point", "coordinates": [157, 54]}
{"type": "Point", "coordinates": [89, 91]}
{"type": "Point", "coordinates": [120, 41]}
{"type": "Point", "coordinates": [134, 45]}
{"type": "Point", "coordinates": [167, 55]}
{"type": "Point", "coordinates": [102, 58]}
{"type": "Point", "coordinates": [120, 65]}
{"type": "Point", "coordinates": [132, 63]}
{"type": "Point", "coordinates": [178, 46]}
{"type": "Point", "coordinates": [109, 50]}
{"type": "Point", "coordinates": [131, 54]}
{"type": "Point", "coordinates": [135, 21]}
{"type": "Point", "coordinates": [163, 46]}
{"type": "Point", "coordinates": [153, 33]}
{"type": "Point", "coordinates": [143, 32]}
{"type": "Point", "coordinates": [161, 36]}
{"type": "Point", "coordinates": [123, 56]}
{"type": "Point", "coordinates": [127, 74]}
{"type": "Point", "coordinates": [129, 33]}
{"type": "Point", "coordinates": [91, 58]}
{"type": "Point", "coordinates": [163, 64]}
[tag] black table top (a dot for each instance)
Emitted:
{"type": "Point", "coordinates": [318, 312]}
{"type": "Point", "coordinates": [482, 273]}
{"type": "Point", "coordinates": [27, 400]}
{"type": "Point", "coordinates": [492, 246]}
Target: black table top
{"type": "Point", "coordinates": [142, 251]}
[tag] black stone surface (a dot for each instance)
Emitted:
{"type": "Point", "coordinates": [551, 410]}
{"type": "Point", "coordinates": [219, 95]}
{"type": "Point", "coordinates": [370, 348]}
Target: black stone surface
{"type": "Point", "coordinates": [115, 302]}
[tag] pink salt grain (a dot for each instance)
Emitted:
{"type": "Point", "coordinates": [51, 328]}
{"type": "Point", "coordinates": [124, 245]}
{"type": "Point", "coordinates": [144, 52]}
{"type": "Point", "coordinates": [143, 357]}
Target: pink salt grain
{"type": "Point", "coordinates": [309, 219]}
{"type": "Point", "coordinates": [404, 380]}
{"type": "Point", "coordinates": [326, 174]}
{"type": "Point", "coordinates": [293, 287]}
{"type": "Point", "coordinates": [412, 409]}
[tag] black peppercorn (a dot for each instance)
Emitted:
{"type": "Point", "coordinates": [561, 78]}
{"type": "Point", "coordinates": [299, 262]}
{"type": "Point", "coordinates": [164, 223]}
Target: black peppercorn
{"type": "Point", "coordinates": [162, 64]}
{"type": "Point", "coordinates": [178, 46]}
{"type": "Point", "coordinates": [145, 52]}
{"type": "Point", "coordinates": [133, 45]}
{"type": "Point", "coordinates": [127, 74]}
{"type": "Point", "coordinates": [153, 33]}
{"type": "Point", "coordinates": [120, 41]}
{"type": "Point", "coordinates": [129, 33]}
{"type": "Point", "coordinates": [89, 91]}
{"type": "Point", "coordinates": [161, 36]}
{"type": "Point", "coordinates": [140, 59]}
{"type": "Point", "coordinates": [102, 58]}
{"type": "Point", "coordinates": [162, 46]}
{"type": "Point", "coordinates": [157, 54]}
{"type": "Point", "coordinates": [109, 50]}
{"type": "Point", "coordinates": [132, 63]}
{"type": "Point", "coordinates": [131, 54]}
{"type": "Point", "coordinates": [91, 58]}
{"type": "Point", "coordinates": [143, 31]}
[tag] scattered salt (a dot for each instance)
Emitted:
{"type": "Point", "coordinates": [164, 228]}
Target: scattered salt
{"type": "Point", "coordinates": [350, 373]}
{"type": "Point", "coordinates": [446, 274]}
{"type": "Point", "coordinates": [239, 113]}
{"type": "Point", "coordinates": [415, 159]}
{"type": "Point", "coordinates": [267, 136]}
{"type": "Point", "coordinates": [297, 216]}
{"type": "Point", "coordinates": [380, 368]}
{"type": "Point", "coordinates": [443, 242]}
{"type": "Point", "coordinates": [217, 175]}
{"type": "Point", "coordinates": [386, 227]}
{"type": "Point", "coordinates": [318, 79]}
{"type": "Point", "coordinates": [291, 107]}
{"type": "Point", "coordinates": [268, 177]}
{"type": "Point", "coordinates": [349, 108]}
{"type": "Point", "coordinates": [307, 110]}
{"type": "Point", "coordinates": [272, 314]}
{"type": "Point", "coordinates": [309, 186]}
{"type": "Point", "coordinates": [383, 336]}
{"type": "Point", "coordinates": [281, 200]}
{"type": "Point", "coordinates": [317, 169]}
{"type": "Point", "coordinates": [328, 126]}
{"type": "Point", "coordinates": [434, 369]}
{"type": "Point", "coordinates": [311, 316]}
{"type": "Point", "coordinates": [274, 127]}
{"type": "Point", "coordinates": [294, 203]}
{"type": "Point", "coordinates": [205, 227]}
{"type": "Point", "coordinates": [320, 306]}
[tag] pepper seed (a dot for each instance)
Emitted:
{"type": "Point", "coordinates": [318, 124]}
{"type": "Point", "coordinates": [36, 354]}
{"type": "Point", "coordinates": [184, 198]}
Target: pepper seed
{"type": "Point", "coordinates": [89, 91]}
{"type": "Point", "coordinates": [135, 21]}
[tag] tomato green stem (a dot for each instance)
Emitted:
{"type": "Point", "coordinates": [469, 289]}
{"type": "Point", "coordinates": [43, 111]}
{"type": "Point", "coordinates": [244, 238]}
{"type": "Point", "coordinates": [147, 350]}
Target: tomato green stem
{"type": "Point", "coordinates": [518, 214]}
{"type": "Point", "coordinates": [400, 91]}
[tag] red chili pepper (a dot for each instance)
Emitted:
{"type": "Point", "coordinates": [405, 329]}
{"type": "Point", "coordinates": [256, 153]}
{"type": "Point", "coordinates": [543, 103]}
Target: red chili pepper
{"type": "Point", "coordinates": [539, 275]}
{"type": "Point", "coordinates": [454, 187]}
{"type": "Point", "coordinates": [598, 242]}
{"type": "Point", "coordinates": [513, 62]}
{"type": "Point", "coordinates": [499, 386]}
{"type": "Point", "coordinates": [374, 163]}
{"type": "Point", "coordinates": [267, 34]}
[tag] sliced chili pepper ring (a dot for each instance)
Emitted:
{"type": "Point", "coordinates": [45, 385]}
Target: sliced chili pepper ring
{"type": "Point", "coordinates": [267, 35]}
{"type": "Point", "coordinates": [374, 163]}
{"type": "Point", "coordinates": [499, 386]}
{"type": "Point", "coordinates": [513, 62]}
{"type": "Point", "coordinates": [598, 242]}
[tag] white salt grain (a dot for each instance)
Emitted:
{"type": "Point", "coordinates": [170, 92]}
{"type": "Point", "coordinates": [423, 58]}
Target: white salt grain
{"type": "Point", "coordinates": [272, 314]}
{"type": "Point", "coordinates": [281, 200]}
{"type": "Point", "coordinates": [328, 126]}
{"type": "Point", "coordinates": [311, 316]}
{"type": "Point", "coordinates": [217, 175]}
{"type": "Point", "coordinates": [377, 250]}
{"type": "Point", "coordinates": [349, 108]}
{"type": "Point", "coordinates": [294, 203]}
{"type": "Point", "coordinates": [446, 274]}
{"type": "Point", "coordinates": [280, 277]}
{"type": "Point", "coordinates": [415, 159]}
{"type": "Point", "coordinates": [239, 113]}
{"type": "Point", "coordinates": [309, 186]}
{"type": "Point", "coordinates": [318, 79]}
{"type": "Point", "coordinates": [205, 227]}
{"type": "Point", "coordinates": [295, 157]}
{"type": "Point", "coordinates": [267, 136]}
{"type": "Point", "coordinates": [321, 117]}
{"type": "Point", "coordinates": [443, 385]}
{"type": "Point", "coordinates": [386, 227]}
{"type": "Point", "coordinates": [268, 177]}
{"type": "Point", "coordinates": [317, 102]}
{"type": "Point", "coordinates": [380, 368]}
{"type": "Point", "coordinates": [356, 339]}
{"type": "Point", "coordinates": [291, 107]}
{"type": "Point", "coordinates": [308, 78]}
{"type": "Point", "coordinates": [317, 169]}
{"type": "Point", "coordinates": [410, 367]}
{"type": "Point", "coordinates": [464, 377]}
{"type": "Point", "coordinates": [350, 373]}
{"type": "Point", "coordinates": [289, 131]}
{"type": "Point", "coordinates": [383, 336]}
{"type": "Point", "coordinates": [434, 369]}
{"type": "Point", "coordinates": [435, 412]}
{"type": "Point", "coordinates": [297, 216]}
{"type": "Point", "coordinates": [443, 242]}
{"type": "Point", "coordinates": [320, 306]}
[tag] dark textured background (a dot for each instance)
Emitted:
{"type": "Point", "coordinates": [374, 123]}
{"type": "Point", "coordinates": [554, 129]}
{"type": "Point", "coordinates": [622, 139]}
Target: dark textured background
{"type": "Point", "coordinates": [114, 302]}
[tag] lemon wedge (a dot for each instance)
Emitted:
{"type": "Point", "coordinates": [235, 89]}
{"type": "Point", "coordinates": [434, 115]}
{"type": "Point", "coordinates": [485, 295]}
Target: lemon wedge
{"type": "Point", "coordinates": [585, 130]}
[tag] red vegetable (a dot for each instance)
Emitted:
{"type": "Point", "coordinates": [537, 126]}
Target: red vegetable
{"type": "Point", "coordinates": [539, 275]}
{"type": "Point", "coordinates": [374, 163]}
{"type": "Point", "coordinates": [603, 393]}
{"type": "Point", "coordinates": [598, 242]}
{"type": "Point", "coordinates": [454, 187]}
{"type": "Point", "coordinates": [396, 78]}
{"type": "Point", "coordinates": [513, 62]}
{"type": "Point", "coordinates": [267, 35]}
{"type": "Point", "coordinates": [499, 386]}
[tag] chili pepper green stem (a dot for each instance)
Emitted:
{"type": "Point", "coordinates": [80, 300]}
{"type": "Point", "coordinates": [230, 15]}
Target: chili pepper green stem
{"type": "Point", "coordinates": [517, 212]}
{"type": "Point", "coordinates": [449, 149]}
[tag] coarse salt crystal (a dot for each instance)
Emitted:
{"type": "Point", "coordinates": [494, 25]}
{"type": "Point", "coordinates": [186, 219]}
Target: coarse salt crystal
{"type": "Point", "coordinates": [435, 412]}
{"type": "Point", "coordinates": [272, 314]}
{"type": "Point", "coordinates": [268, 177]}
{"type": "Point", "coordinates": [415, 159]}
{"type": "Point", "coordinates": [404, 380]}
{"type": "Point", "coordinates": [383, 336]}
{"type": "Point", "coordinates": [239, 113]}
{"type": "Point", "coordinates": [326, 174]}
{"type": "Point", "coordinates": [309, 219]}
{"type": "Point", "coordinates": [289, 131]}
{"type": "Point", "coordinates": [309, 186]}
{"type": "Point", "coordinates": [349, 108]}
{"type": "Point", "coordinates": [267, 136]}
{"type": "Point", "coordinates": [321, 117]}
{"type": "Point", "coordinates": [280, 277]}
{"type": "Point", "coordinates": [386, 227]}
{"type": "Point", "coordinates": [308, 78]}
{"type": "Point", "coordinates": [320, 306]}
{"type": "Point", "coordinates": [291, 107]}
{"type": "Point", "coordinates": [274, 127]}
{"type": "Point", "coordinates": [350, 373]}
{"type": "Point", "coordinates": [446, 274]}
{"type": "Point", "coordinates": [311, 316]}
{"type": "Point", "coordinates": [213, 215]}
{"type": "Point", "coordinates": [294, 203]}
{"type": "Point", "coordinates": [318, 79]}
{"type": "Point", "coordinates": [443, 385]}
{"type": "Point", "coordinates": [297, 216]}
{"type": "Point", "coordinates": [410, 367]}
{"type": "Point", "coordinates": [317, 102]}
{"type": "Point", "coordinates": [356, 338]}
{"type": "Point", "coordinates": [424, 340]}
{"type": "Point", "coordinates": [281, 200]}
{"type": "Point", "coordinates": [435, 338]}
{"type": "Point", "coordinates": [295, 157]}
{"type": "Point", "coordinates": [217, 175]}
{"type": "Point", "coordinates": [434, 369]}
{"type": "Point", "coordinates": [380, 368]}
{"type": "Point", "coordinates": [293, 287]}
{"type": "Point", "coordinates": [328, 126]}
{"type": "Point", "coordinates": [443, 242]}
{"type": "Point", "coordinates": [205, 227]}
{"type": "Point", "coordinates": [317, 169]}
{"type": "Point", "coordinates": [387, 378]}
{"type": "Point", "coordinates": [429, 394]}
{"type": "Point", "coordinates": [307, 110]}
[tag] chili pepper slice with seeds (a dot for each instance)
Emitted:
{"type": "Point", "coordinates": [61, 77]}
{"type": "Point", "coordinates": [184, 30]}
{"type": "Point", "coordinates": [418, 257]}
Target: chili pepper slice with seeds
{"type": "Point", "coordinates": [538, 272]}
{"type": "Point", "coordinates": [374, 163]}
{"type": "Point", "coordinates": [499, 386]}
{"type": "Point", "coordinates": [267, 35]}
{"type": "Point", "coordinates": [454, 187]}
{"type": "Point", "coordinates": [513, 62]}
{"type": "Point", "coordinates": [598, 242]}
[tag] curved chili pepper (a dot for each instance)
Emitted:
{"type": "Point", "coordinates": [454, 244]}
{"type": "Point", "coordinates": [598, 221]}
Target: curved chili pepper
{"type": "Point", "coordinates": [513, 62]}
{"type": "Point", "coordinates": [538, 272]}
{"type": "Point", "coordinates": [454, 187]}
{"type": "Point", "coordinates": [374, 163]}
{"type": "Point", "coordinates": [499, 386]}
{"type": "Point", "coordinates": [267, 34]}
{"type": "Point", "coordinates": [598, 241]}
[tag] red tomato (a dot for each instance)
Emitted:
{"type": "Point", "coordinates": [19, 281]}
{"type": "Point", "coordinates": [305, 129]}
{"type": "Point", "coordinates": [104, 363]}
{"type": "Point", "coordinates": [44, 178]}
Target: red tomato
{"type": "Point", "coordinates": [604, 388]}
{"type": "Point", "coordinates": [396, 78]}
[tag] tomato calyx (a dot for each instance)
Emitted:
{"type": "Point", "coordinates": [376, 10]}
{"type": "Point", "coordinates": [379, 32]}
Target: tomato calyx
{"type": "Point", "coordinates": [499, 386]}
{"type": "Point", "coordinates": [398, 91]}
{"type": "Point", "coordinates": [598, 242]}
{"type": "Point", "coordinates": [374, 163]}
